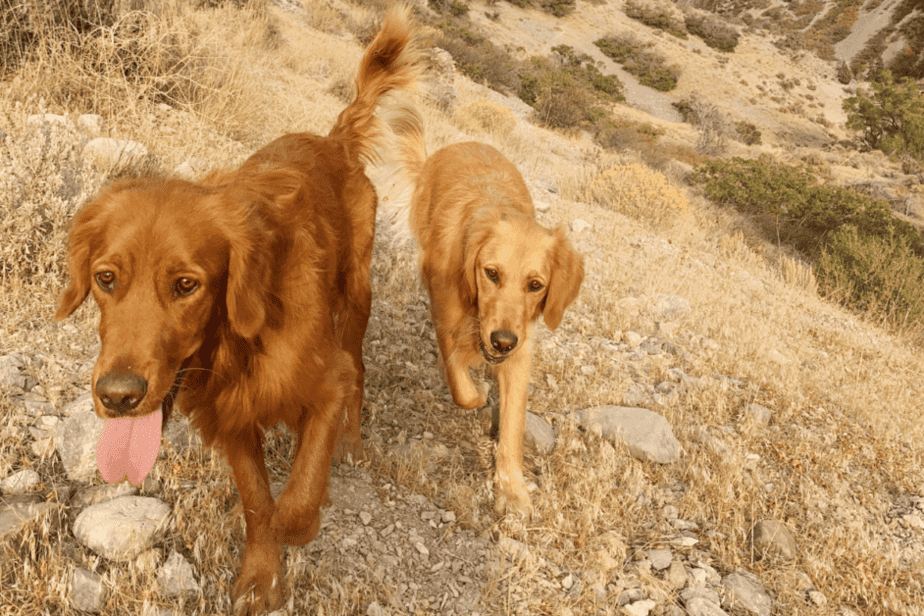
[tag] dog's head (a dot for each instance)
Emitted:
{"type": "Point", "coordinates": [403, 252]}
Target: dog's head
{"type": "Point", "coordinates": [169, 263]}
{"type": "Point", "coordinates": [516, 270]}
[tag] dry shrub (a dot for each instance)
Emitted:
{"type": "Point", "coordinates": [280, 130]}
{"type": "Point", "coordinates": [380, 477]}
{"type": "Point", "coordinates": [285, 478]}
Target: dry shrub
{"type": "Point", "coordinates": [636, 191]}
{"type": "Point", "coordinates": [658, 14]}
{"type": "Point", "coordinates": [714, 31]}
{"type": "Point", "coordinates": [158, 56]}
{"type": "Point", "coordinates": [490, 117]}
{"type": "Point", "coordinates": [41, 186]}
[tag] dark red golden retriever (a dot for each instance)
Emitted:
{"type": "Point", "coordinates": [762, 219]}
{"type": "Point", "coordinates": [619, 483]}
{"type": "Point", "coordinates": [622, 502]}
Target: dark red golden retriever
{"type": "Point", "coordinates": [491, 270]}
{"type": "Point", "coordinates": [244, 298]}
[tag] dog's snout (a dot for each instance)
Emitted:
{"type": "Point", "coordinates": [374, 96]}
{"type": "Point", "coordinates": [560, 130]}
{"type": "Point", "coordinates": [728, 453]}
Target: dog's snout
{"type": "Point", "coordinates": [503, 341]}
{"type": "Point", "coordinates": [121, 391]}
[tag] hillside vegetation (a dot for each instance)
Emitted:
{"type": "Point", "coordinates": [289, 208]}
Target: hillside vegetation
{"type": "Point", "coordinates": [754, 276]}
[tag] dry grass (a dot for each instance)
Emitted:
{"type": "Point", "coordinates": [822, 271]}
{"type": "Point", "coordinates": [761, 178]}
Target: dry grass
{"type": "Point", "coordinates": [844, 447]}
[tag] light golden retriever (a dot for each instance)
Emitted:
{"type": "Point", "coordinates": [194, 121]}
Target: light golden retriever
{"type": "Point", "coordinates": [245, 298]}
{"type": "Point", "coordinates": [491, 270]}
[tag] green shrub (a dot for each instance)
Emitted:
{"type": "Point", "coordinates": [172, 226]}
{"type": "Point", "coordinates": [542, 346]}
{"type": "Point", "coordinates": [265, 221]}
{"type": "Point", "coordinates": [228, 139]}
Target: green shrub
{"type": "Point", "coordinates": [714, 31]}
{"type": "Point", "coordinates": [558, 8]}
{"type": "Point", "coordinates": [477, 58]}
{"type": "Point", "coordinates": [650, 67]}
{"type": "Point", "coordinates": [891, 118]}
{"type": "Point", "coordinates": [881, 276]}
{"type": "Point", "coordinates": [747, 133]}
{"type": "Point", "coordinates": [865, 256]}
{"type": "Point", "coordinates": [655, 15]}
{"type": "Point", "coordinates": [793, 197]}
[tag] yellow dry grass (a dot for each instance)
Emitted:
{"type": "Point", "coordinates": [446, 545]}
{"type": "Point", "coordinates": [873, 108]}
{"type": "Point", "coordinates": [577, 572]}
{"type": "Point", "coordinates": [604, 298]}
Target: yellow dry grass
{"type": "Point", "coordinates": [845, 444]}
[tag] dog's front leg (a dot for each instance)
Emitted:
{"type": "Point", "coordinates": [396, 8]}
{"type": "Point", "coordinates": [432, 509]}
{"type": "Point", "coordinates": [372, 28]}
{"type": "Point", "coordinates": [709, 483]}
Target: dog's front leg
{"type": "Point", "coordinates": [259, 588]}
{"type": "Point", "coordinates": [298, 509]}
{"type": "Point", "coordinates": [513, 380]}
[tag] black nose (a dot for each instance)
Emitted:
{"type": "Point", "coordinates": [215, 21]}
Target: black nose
{"type": "Point", "coordinates": [503, 341]}
{"type": "Point", "coordinates": [121, 391]}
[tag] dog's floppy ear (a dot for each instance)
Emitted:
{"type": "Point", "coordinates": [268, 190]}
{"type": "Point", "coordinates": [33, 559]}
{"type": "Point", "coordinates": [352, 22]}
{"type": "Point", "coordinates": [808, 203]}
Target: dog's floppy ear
{"type": "Point", "coordinates": [567, 275]}
{"type": "Point", "coordinates": [253, 220]}
{"type": "Point", "coordinates": [477, 235]}
{"type": "Point", "coordinates": [86, 228]}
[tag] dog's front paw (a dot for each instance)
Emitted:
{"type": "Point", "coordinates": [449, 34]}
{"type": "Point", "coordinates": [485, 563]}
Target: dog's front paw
{"type": "Point", "coordinates": [512, 500]}
{"type": "Point", "coordinates": [259, 588]}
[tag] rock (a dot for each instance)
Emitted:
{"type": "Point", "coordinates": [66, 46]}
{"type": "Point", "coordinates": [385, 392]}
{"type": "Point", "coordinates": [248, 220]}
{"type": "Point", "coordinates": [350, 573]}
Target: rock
{"type": "Point", "coordinates": [579, 225]}
{"type": "Point", "coordinates": [748, 594]}
{"type": "Point", "coordinates": [677, 575]}
{"type": "Point", "coordinates": [122, 528]}
{"type": "Point", "coordinates": [699, 591]}
{"type": "Point", "coordinates": [365, 517]}
{"type": "Point", "coordinates": [670, 307]}
{"type": "Point", "coordinates": [111, 154]}
{"type": "Point", "coordinates": [640, 608]}
{"type": "Point", "coordinates": [538, 435]}
{"type": "Point", "coordinates": [514, 549]}
{"type": "Point", "coordinates": [636, 396]}
{"type": "Point", "coordinates": [817, 598]}
{"type": "Point", "coordinates": [647, 435]}
{"type": "Point", "coordinates": [176, 578]}
{"type": "Point", "coordinates": [632, 339]}
{"type": "Point", "coordinates": [772, 537]}
{"type": "Point", "coordinates": [94, 495]}
{"type": "Point", "coordinates": [87, 593]}
{"type": "Point", "coordinates": [698, 606]}
{"type": "Point", "coordinates": [660, 559]}
{"type": "Point", "coordinates": [90, 124]}
{"type": "Point", "coordinates": [438, 78]}
{"type": "Point", "coordinates": [11, 375]}
{"type": "Point", "coordinates": [35, 404]}
{"type": "Point", "coordinates": [75, 439]}
{"type": "Point", "coordinates": [542, 206]}
{"type": "Point", "coordinates": [375, 609]}
{"type": "Point", "coordinates": [80, 404]}
{"type": "Point", "coordinates": [758, 415]}
{"type": "Point", "coordinates": [46, 119]}
{"type": "Point", "coordinates": [18, 512]}
{"type": "Point", "coordinates": [20, 482]}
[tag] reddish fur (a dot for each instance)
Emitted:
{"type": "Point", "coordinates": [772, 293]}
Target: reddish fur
{"type": "Point", "coordinates": [281, 249]}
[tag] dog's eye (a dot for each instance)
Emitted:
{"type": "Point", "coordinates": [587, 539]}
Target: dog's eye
{"type": "Point", "coordinates": [185, 286]}
{"type": "Point", "coordinates": [491, 273]}
{"type": "Point", "coordinates": [535, 285]}
{"type": "Point", "coordinates": [106, 281]}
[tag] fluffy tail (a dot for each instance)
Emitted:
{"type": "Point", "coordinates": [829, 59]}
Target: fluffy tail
{"type": "Point", "coordinates": [392, 62]}
{"type": "Point", "coordinates": [402, 162]}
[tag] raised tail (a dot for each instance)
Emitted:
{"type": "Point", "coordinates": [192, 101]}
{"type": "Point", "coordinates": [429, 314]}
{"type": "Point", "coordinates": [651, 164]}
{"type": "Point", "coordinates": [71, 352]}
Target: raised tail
{"type": "Point", "coordinates": [391, 62]}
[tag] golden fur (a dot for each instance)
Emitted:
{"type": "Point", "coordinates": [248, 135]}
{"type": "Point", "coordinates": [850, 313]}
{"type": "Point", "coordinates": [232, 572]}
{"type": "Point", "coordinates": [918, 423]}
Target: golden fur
{"type": "Point", "coordinates": [491, 270]}
{"type": "Point", "coordinates": [246, 297]}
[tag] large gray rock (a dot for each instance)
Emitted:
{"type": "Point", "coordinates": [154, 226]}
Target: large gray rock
{"type": "Point", "coordinates": [18, 512]}
{"type": "Point", "coordinates": [122, 528]}
{"type": "Point", "coordinates": [647, 435]}
{"type": "Point", "coordinates": [75, 440]}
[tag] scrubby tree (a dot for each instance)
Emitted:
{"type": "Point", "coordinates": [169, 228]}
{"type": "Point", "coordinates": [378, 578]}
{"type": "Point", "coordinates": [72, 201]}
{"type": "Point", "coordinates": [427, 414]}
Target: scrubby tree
{"type": "Point", "coordinates": [891, 118]}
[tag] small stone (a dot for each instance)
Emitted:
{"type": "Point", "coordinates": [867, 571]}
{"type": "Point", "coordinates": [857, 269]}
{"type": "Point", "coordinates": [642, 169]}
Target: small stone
{"type": "Point", "coordinates": [139, 520]}
{"type": "Point", "coordinates": [703, 607]}
{"type": "Point", "coordinates": [640, 608]}
{"type": "Point", "coordinates": [420, 547]}
{"type": "Point", "coordinates": [87, 592]}
{"type": "Point", "coordinates": [538, 434]}
{"type": "Point", "coordinates": [365, 517]}
{"type": "Point", "coordinates": [748, 594]}
{"type": "Point", "coordinates": [646, 434]}
{"type": "Point", "coordinates": [632, 339]}
{"type": "Point", "coordinates": [677, 575]}
{"type": "Point", "coordinates": [817, 598]}
{"type": "Point", "coordinates": [567, 582]}
{"type": "Point", "coordinates": [512, 548]}
{"type": "Point", "coordinates": [375, 609]}
{"type": "Point", "coordinates": [578, 225]}
{"type": "Point", "coordinates": [176, 578]}
{"type": "Point", "coordinates": [660, 559]}
{"type": "Point", "coordinates": [759, 415]}
{"type": "Point", "coordinates": [770, 536]}
{"type": "Point", "coordinates": [20, 482]}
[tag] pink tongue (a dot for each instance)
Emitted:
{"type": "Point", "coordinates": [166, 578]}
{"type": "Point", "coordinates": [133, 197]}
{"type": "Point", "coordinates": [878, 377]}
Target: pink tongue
{"type": "Point", "coordinates": [128, 447]}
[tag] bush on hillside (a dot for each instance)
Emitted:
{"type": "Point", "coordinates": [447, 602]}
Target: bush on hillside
{"type": "Point", "coordinates": [656, 14]}
{"type": "Point", "coordinates": [650, 67]}
{"type": "Point", "coordinates": [866, 257]}
{"type": "Point", "coordinates": [640, 193]}
{"type": "Point", "coordinates": [891, 118]}
{"type": "Point", "coordinates": [478, 58]}
{"type": "Point", "coordinates": [882, 276]}
{"type": "Point", "coordinates": [714, 31]}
